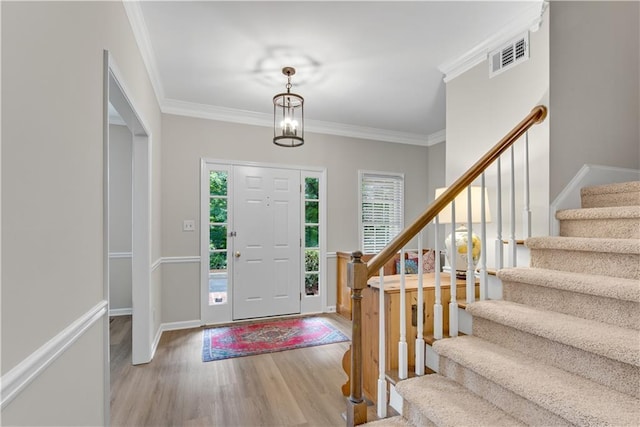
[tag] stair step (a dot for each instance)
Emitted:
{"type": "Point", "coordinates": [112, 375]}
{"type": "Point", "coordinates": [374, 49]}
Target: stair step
{"type": "Point", "coordinates": [436, 400]}
{"type": "Point", "coordinates": [588, 335]}
{"type": "Point", "coordinates": [602, 256]}
{"type": "Point", "coordinates": [397, 421]}
{"type": "Point", "coordinates": [393, 377]}
{"type": "Point", "coordinates": [597, 351]}
{"type": "Point", "coordinates": [530, 390]}
{"type": "Point", "coordinates": [610, 222]}
{"type": "Point", "coordinates": [430, 339]}
{"type": "Point", "coordinates": [617, 194]}
{"type": "Point", "coordinates": [605, 299]}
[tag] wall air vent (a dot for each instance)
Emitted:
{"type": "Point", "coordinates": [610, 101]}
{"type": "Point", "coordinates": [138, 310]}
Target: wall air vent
{"type": "Point", "coordinates": [509, 55]}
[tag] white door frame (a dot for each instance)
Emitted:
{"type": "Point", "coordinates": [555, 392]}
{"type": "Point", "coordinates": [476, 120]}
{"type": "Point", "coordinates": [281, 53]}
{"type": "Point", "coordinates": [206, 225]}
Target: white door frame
{"type": "Point", "coordinates": [306, 307]}
{"type": "Point", "coordinates": [117, 93]}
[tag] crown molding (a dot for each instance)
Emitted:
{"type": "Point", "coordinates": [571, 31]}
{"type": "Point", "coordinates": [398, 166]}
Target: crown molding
{"type": "Point", "coordinates": [211, 112]}
{"type": "Point", "coordinates": [141, 34]}
{"type": "Point", "coordinates": [529, 20]}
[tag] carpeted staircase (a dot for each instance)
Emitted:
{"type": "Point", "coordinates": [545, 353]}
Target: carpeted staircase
{"type": "Point", "coordinates": [563, 347]}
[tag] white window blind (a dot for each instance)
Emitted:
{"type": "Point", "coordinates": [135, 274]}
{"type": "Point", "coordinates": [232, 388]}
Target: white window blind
{"type": "Point", "coordinates": [381, 209]}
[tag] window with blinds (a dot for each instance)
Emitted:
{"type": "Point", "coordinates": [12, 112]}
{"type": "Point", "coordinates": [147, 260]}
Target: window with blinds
{"type": "Point", "coordinates": [381, 209]}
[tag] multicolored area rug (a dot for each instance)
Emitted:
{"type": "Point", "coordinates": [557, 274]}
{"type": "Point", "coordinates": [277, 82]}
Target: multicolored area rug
{"type": "Point", "coordinates": [267, 337]}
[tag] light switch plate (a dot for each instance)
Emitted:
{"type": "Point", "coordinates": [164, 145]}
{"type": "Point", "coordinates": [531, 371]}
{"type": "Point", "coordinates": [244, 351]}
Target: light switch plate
{"type": "Point", "coordinates": [188, 225]}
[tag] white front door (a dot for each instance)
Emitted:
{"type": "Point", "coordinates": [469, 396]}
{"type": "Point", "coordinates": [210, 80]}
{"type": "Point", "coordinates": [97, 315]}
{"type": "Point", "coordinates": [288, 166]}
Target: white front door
{"type": "Point", "coordinates": [266, 246]}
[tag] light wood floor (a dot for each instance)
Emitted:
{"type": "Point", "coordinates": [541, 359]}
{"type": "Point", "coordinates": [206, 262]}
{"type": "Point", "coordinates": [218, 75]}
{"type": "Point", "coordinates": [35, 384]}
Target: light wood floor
{"type": "Point", "coordinates": [291, 388]}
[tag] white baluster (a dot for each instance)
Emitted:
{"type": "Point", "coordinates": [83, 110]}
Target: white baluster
{"type": "Point", "coordinates": [403, 360]}
{"type": "Point", "coordinates": [382, 379]}
{"type": "Point", "coordinates": [512, 213]}
{"type": "Point", "coordinates": [471, 277]}
{"type": "Point", "coordinates": [437, 306]}
{"type": "Point", "coordinates": [499, 243]}
{"type": "Point", "coordinates": [453, 303]}
{"type": "Point", "coordinates": [419, 362]}
{"type": "Point", "coordinates": [483, 244]}
{"type": "Point", "coordinates": [526, 220]}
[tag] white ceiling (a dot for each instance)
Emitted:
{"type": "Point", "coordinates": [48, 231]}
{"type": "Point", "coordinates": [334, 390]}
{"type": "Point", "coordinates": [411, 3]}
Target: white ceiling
{"type": "Point", "coordinates": [370, 69]}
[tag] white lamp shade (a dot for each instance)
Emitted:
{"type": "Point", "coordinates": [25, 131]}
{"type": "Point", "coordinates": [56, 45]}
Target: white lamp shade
{"type": "Point", "coordinates": [461, 206]}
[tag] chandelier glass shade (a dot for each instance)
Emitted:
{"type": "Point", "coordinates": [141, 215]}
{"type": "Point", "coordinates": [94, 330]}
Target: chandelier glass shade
{"type": "Point", "coordinates": [288, 115]}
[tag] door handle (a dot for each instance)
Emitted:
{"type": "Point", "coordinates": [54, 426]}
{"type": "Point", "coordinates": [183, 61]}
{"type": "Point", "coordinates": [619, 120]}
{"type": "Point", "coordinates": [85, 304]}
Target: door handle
{"type": "Point", "coordinates": [237, 254]}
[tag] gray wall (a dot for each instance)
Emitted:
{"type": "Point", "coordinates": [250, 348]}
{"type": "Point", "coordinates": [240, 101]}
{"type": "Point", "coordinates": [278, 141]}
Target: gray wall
{"type": "Point", "coordinates": [187, 140]}
{"type": "Point", "coordinates": [594, 87]}
{"type": "Point", "coordinates": [52, 201]}
{"type": "Point", "coordinates": [436, 162]}
{"type": "Point", "coordinates": [120, 217]}
{"type": "Point", "coordinates": [481, 110]}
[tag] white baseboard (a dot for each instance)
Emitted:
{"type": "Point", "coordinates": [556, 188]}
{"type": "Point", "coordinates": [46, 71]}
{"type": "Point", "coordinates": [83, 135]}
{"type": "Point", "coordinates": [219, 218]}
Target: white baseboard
{"type": "Point", "coordinates": [175, 326]}
{"type": "Point", "coordinates": [330, 309]}
{"type": "Point", "coordinates": [172, 326]}
{"type": "Point", "coordinates": [395, 400]}
{"type": "Point", "coordinates": [20, 376]}
{"type": "Point", "coordinates": [156, 342]}
{"type": "Point", "coordinates": [432, 359]}
{"type": "Point", "coordinates": [120, 312]}
{"type": "Point", "coordinates": [465, 321]}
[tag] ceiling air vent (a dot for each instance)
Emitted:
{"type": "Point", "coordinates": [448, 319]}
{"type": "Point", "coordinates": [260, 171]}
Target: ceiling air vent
{"type": "Point", "coordinates": [509, 55]}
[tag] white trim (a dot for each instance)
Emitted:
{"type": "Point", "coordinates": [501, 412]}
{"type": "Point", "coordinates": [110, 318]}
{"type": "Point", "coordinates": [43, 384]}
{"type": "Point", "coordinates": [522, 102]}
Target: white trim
{"type": "Point", "coordinates": [436, 137]}
{"type": "Point", "coordinates": [176, 326]}
{"type": "Point", "coordinates": [330, 309]}
{"type": "Point", "coordinates": [20, 376]}
{"type": "Point", "coordinates": [528, 20]}
{"type": "Point", "coordinates": [212, 112]}
{"type": "Point", "coordinates": [106, 262]}
{"type": "Point", "coordinates": [120, 312]}
{"type": "Point", "coordinates": [332, 255]}
{"type": "Point", "coordinates": [569, 197]}
{"type": "Point", "coordinates": [119, 96]}
{"type": "Point", "coordinates": [261, 164]}
{"type": "Point", "coordinates": [141, 34]}
{"type": "Point", "coordinates": [156, 342]}
{"type": "Point", "coordinates": [180, 259]}
{"type": "Point", "coordinates": [119, 255]}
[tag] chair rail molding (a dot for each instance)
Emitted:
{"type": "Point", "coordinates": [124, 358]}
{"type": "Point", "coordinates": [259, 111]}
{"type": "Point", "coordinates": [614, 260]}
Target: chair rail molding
{"type": "Point", "coordinates": [20, 376]}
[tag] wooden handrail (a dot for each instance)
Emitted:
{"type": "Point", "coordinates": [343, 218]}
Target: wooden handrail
{"type": "Point", "coordinates": [359, 272]}
{"type": "Point", "coordinates": [537, 115]}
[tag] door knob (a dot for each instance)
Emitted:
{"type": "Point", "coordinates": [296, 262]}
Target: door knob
{"type": "Point", "coordinates": [237, 254]}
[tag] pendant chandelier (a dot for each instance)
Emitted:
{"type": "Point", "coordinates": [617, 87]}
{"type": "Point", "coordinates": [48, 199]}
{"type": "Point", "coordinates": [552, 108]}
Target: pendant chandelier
{"type": "Point", "coordinates": [288, 115]}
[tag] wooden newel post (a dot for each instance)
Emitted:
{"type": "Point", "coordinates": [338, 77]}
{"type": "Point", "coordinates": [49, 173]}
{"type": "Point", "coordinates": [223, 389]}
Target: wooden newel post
{"type": "Point", "coordinates": [357, 281]}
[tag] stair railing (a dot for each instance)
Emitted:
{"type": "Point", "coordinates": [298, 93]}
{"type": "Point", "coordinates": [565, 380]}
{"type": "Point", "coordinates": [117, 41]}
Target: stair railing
{"type": "Point", "coordinates": [358, 273]}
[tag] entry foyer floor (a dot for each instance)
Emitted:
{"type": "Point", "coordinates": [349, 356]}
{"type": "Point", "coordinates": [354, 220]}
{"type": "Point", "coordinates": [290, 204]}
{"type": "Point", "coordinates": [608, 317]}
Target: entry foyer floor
{"type": "Point", "coordinates": [298, 387]}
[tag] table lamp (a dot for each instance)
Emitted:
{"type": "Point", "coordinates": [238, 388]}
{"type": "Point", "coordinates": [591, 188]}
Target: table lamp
{"type": "Point", "coordinates": [461, 234]}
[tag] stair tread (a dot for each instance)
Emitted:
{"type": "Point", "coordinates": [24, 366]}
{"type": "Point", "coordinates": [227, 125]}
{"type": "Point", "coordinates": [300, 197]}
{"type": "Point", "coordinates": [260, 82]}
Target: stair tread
{"type": "Point", "coordinates": [397, 421]}
{"type": "Point", "coordinates": [586, 244]}
{"type": "Point", "coordinates": [614, 188]}
{"type": "Point", "coordinates": [591, 284]}
{"type": "Point", "coordinates": [606, 340]}
{"type": "Point", "coordinates": [574, 398]}
{"type": "Point", "coordinates": [614, 212]}
{"type": "Point", "coordinates": [448, 403]}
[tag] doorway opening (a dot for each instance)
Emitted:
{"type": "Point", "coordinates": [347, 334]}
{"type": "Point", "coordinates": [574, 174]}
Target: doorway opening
{"type": "Point", "coordinates": [134, 227]}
